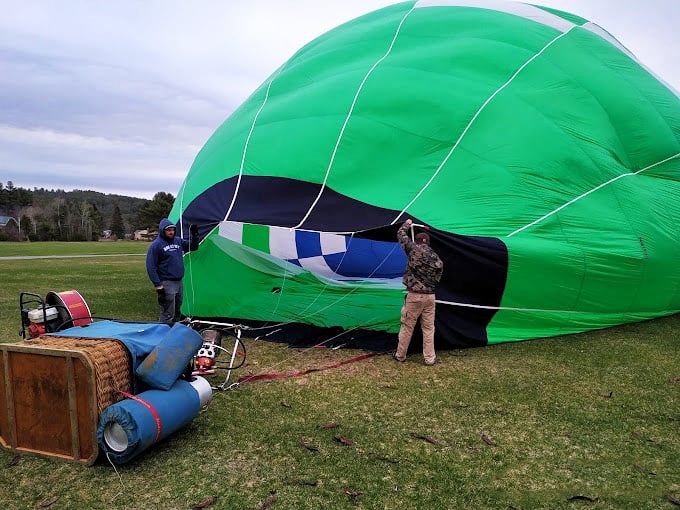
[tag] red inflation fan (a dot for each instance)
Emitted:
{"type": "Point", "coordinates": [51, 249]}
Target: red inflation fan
{"type": "Point", "coordinates": [73, 309]}
{"type": "Point", "coordinates": [57, 311]}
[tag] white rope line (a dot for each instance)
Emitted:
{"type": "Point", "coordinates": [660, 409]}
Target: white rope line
{"type": "Point", "coordinates": [120, 479]}
{"type": "Point", "coordinates": [245, 150]}
{"type": "Point", "coordinates": [474, 118]}
{"type": "Point", "coordinates": [332, 160]}
{"type": "Point", "coordinates": [245, 147]}
{"type": "Point", "coordinates": [191, 283]}
{"type": "Point", "coordinates": [181, 209]}
{"type": "Point", "coordinates": [349, 114]}
{"type": "Point", "coordinates": [181, 223]}
{"type": "Point", "coordinates": [321, 291]}
{"type": "Point", "coordinates": [243, 160]}
{"type": "Point", "coordinates": [539, 310]}
{"type": "Point", "coordinates": [302, 314]}
{"type": "Point", "coordinates": [341, 298]}
{"type": "Point", "coordinates": [507, 308]}
{"type": "Point", "coordinates": [283, 286]}
{"type": "Point", "coordinates": [555, 211]}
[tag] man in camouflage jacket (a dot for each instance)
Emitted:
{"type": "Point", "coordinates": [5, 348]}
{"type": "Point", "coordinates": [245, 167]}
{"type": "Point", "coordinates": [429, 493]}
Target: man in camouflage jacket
{"type": "Point", "coordinates": [423, 272]}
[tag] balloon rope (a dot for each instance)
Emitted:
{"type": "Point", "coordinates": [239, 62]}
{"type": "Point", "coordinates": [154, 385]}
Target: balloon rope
{"type": "Point", "coordinates": [243, 158]}
{"type": "Point", "coordinates": [349, 114]}
{"type": "Point", "coordinates": [302, 313]}
{"type": "Point", "coordinates": [507, 308]}
{"type": "Point", "coordinates": [474, 118]}
{"type": "Point", "coordinates": [245, 146]}
{"type": "Point", "coordinates": [305, 315]}
{"type": "Point", "coordinates": [574, 200]}
{"type": "Point", "coordinates": [120, 478]}
{"type": "Point", "coordinates": [267, 369]}
{"type": "Point", "coordinates": [281, 290]}
{"type": "Point", "coordinates": [321, 291]}
{"type": "Point", "coordinates": [180, 196]}
{"type": "Point", "coordinates": [517, 309]}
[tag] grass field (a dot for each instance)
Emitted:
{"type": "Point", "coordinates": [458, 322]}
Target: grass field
{"type": "Point", "coordinates": [581, 421]}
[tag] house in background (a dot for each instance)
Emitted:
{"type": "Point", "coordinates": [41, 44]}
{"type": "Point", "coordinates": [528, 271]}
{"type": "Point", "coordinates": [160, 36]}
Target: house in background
{"type": "Point", "coordinates": [145, 235]}
{"type": "Point", "coordinates": [10, 229]}
{"type": "Point", "coordinates": [6, 220]}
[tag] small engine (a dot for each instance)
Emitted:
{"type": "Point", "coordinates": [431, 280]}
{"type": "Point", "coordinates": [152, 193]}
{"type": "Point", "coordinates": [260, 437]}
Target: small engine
{"type": "Point", "coordinates": [40, 320]}
{"type": "Point", "coordinates": [58, 310]}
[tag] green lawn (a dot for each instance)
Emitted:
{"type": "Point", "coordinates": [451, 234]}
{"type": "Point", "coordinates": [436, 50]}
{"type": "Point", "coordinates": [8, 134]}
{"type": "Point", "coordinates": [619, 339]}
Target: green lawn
{"type": "Point", "coordinates": [581, 421]}
{"type": "Point", "coordinates": [62, 248]}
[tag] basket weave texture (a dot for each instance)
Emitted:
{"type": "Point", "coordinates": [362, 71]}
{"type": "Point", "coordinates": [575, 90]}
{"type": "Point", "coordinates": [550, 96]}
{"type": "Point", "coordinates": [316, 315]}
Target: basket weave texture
{"type": "Point", "coordinates": [109, 360]}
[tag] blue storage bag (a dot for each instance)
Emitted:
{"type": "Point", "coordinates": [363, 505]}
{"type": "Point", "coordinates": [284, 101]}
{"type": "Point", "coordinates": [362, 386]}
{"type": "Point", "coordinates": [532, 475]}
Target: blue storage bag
{"type": "Point", "coordinates": [168, 360]}
{"type": "Point", "coordinates": [130, 426]}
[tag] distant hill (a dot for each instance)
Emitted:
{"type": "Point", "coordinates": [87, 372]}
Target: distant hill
{"type": "Point", "coordinates": [129, 206]}
{"type": "Point", "coordinates": [78, 214]}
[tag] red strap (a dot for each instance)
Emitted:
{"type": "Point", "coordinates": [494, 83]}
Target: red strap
{"type": "Point", "coordinates": [150, 408]}
{"type": "Point", "coordinates": [305, 372]}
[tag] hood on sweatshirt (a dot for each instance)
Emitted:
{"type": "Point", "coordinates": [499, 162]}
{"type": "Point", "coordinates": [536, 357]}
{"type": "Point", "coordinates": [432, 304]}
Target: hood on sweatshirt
{"type": "Point", "coordinates": [165, 223]}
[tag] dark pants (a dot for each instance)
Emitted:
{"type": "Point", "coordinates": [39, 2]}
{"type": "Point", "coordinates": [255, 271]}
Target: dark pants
{"type": "Point", "coordinates": [170, 307]}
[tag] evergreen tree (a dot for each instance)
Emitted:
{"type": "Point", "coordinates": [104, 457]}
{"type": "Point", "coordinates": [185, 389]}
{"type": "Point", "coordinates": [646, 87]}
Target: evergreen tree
{"type": "Point", "coordinates": [117, 227]}
{"type": "Point", "coordinates": [28, 228]}
{"type": "Point", "coordinates": [152, 213]}
{"type": "Point", "coordinates": [97, 223]}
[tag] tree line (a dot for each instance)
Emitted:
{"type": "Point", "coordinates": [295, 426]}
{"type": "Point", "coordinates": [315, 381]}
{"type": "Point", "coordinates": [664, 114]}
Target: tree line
{"type": "Point", "coordinates": [78, 215]}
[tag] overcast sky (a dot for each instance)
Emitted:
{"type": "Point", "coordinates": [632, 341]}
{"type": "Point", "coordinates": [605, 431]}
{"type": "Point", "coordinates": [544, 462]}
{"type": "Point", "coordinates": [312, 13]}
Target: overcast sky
{"type": "Point", "coordinates": [120, 96]}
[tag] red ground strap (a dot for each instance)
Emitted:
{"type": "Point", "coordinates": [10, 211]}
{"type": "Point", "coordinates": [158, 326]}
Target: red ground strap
{"type": "Point", "coordinates": [150, 408]}
{"type": "Point", "coordinates": [260, 377]}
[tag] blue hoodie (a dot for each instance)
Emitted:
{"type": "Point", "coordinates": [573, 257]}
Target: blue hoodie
{"type": "Point", "coordinates": [164, 259]}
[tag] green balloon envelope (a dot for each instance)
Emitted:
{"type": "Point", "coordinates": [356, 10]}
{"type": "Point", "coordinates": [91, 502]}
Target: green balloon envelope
{"type": "Point", "coordinates": [543, 157]}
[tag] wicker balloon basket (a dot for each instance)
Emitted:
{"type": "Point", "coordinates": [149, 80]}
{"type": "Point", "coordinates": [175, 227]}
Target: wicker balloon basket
{"type": "Point", "coordinates": [55, 389]}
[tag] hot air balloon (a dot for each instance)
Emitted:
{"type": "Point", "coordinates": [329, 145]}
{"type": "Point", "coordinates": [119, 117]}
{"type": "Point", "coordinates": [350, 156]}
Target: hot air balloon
{"type": "Point", "coordinates": [540, 154]}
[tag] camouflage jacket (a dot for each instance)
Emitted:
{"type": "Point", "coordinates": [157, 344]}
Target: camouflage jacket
{"type": "Point", "coordinates": [424, 268]}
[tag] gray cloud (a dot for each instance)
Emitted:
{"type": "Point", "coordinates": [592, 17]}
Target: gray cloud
{"type": "Point", "coordinates": [120, 96]}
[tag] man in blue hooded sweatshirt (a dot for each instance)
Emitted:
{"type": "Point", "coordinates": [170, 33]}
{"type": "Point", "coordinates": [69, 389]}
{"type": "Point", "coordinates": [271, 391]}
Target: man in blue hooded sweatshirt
{"type": "Point", "coordinates": [165, 266]}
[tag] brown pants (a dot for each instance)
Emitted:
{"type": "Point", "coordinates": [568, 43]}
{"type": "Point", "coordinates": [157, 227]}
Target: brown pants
{"type": "Point", "coordinates": [417, 305]}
